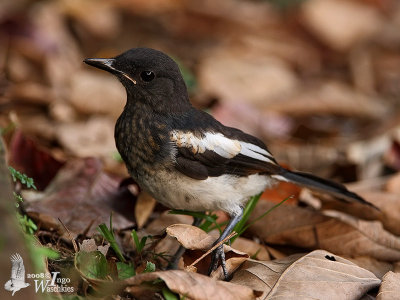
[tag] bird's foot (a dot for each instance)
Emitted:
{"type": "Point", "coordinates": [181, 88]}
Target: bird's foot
{"type": "Point", "coordinates": [218, 255]}
{"type": "Point", "coordinates": [173, 264]}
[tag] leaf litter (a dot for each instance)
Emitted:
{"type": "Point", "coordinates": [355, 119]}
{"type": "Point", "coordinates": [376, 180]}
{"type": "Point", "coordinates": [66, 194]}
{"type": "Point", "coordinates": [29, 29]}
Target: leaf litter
{"type": "Point", "coordinates": [320, 87]}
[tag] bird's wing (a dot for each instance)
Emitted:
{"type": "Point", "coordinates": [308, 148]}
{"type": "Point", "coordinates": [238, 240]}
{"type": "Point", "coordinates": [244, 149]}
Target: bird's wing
{"type": "Point", "coordinates": [17, 269]}
{"type": "Point", "coordinates": [210, 153]}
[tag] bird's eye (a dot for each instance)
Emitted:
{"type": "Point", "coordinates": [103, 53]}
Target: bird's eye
{"type": "Point", "coordinates": [147, 76]}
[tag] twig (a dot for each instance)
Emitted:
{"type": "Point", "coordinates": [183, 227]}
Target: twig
{"type": "Point", "coordinates": [212, 249]}
{"type": "Point", "coordinates": [70, 236]}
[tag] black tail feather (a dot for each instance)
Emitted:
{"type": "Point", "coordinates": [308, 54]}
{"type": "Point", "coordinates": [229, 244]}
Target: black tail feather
{"type": "Point", "coordinates": [324, 185]}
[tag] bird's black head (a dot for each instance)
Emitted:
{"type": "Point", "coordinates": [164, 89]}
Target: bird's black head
{"type": "Point", "coordinates": [149, 76]}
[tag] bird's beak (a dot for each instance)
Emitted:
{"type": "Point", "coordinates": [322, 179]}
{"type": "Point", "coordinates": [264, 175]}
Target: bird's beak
{"type": "Point", "coordinates": [106, 64]}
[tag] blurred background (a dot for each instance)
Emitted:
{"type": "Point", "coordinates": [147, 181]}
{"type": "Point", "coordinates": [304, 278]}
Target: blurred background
{"type": "Point", "coordinates": [317, 80]}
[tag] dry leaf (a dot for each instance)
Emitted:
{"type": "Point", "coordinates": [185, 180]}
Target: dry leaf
{"type": "Point", "coordinates": [194, 238]}
{"type": "Point", "coordinates": [330, 97]}
{"type": "Point", "coordinates": [232, 264]}
{"type": "Point", "coordinates": [190, 237]}
{"type": "Point", "coordinates": [37, 125]}
{"type": "Point", "coordinates": [80, 194]}
{"type": "Point", "coordinates": [97, 93]}
{"type": "Point", "coordinates": [247, 117]}
{"type": "Point", "coordinates": [389, 204]}
{"type": "Point", "coordinates": [276, 254]}
{"type": "Point", "coordinates": [31, 92]}
{"type": "Point", "coordinates": [393, 184]}
{"type": "Point", "coordinates": [317, 275]}
{"type": "Point", "coordinates": [341, 24]}
{"type": "Point", "coordinates": [143, 208]}
{"type": "Point", "coordinates": [103, 20]}
{"type": "Point", "coordinates": [89, 245]}
{"type": "Point", "coordinates": [166, 219]}
{"type": "Point", "coordinates": [92, 138]}
{"type": "Point", "coordinates": [390, 288]}
{"type": "Point", "coordinates": [253, 249]}
{"type": "Point", "coordinates": [195, 286]}
{"type": "Point", "coordinates": [312, 230]}
{"type": "Point", "coordinates": [236, 76]}
{"type": "Point", "coordinates": [379, 268]}
{"type": "Point", "coordinates": [168, 245]}
{"type": "Point", "coordinates": [382, 244]}
{"type": "Point", "coordinates": [28, 158]}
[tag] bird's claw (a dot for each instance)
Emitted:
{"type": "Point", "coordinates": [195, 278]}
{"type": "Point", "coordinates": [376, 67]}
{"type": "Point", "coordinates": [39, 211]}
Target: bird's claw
{"type": "Point", "coordinates": [218, 255]}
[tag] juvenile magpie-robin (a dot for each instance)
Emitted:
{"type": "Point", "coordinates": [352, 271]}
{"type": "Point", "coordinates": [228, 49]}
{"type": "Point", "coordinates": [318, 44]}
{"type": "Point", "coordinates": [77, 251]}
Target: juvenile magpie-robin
{"type": "Point", "coordinates": [184, 157]}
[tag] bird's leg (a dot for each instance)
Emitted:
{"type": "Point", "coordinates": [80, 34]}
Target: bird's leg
{"type": "Point", "coordinates": [219, 254]}
{"type": "Point", "coordinates": [173, 264]}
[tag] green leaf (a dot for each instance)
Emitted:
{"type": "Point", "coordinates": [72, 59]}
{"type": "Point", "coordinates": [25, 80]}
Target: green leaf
{"type": "Point", "coordinates": [139, 244]}
{"type": "Point", "coordinates": [92, 264]}
{"type": "Point", "coordinates": [266, 213]}
{"type": "Point", "coordinates": [150, 267]}
{"type": "Point", "coordinates": [27, 224]}
{"type": "Point", "coordinates": [48, 252]}
{"type": "Point", "coordinates": [38, 253]}
{"type": "Point", "coordinates": [246, 215]}
{"type": "Point", "coordinates": [125, 271]}
{"type": "Point", "coordinates": [169, 295]}
{"type": "Point", "coordinates": [208, 219]}
{"type": "Point", "coordinates": [117, 157]}
{"type": "Point", "coordinates": [109, 236]}
{"type": "Point", "coordinates": [23, 178]}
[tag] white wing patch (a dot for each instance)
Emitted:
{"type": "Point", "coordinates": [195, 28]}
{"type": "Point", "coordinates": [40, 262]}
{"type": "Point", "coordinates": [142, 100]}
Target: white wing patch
{"type": "Point", "coordinates": [211, 141]}
{"type": "Point", "coordinates": [255, 152]}
{"type": "Point", "coordinates": [220, 144]}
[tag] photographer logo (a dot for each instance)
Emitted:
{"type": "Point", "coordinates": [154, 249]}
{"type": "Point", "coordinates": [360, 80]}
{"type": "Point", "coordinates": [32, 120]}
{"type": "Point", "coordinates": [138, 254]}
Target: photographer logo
{"type": "Point", "coordinates": [44, 282]}
{"type": "Point", "coordinates": [17, 280]}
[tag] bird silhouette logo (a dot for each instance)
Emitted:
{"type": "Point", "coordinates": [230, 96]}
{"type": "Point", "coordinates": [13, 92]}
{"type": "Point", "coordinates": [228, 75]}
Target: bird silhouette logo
{"type": "Point", "coordinates": [17, 280]}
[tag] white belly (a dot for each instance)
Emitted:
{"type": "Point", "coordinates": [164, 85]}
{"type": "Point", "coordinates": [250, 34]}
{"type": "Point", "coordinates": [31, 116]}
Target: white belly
{"type": "Point", "coordinates": [228, 193]}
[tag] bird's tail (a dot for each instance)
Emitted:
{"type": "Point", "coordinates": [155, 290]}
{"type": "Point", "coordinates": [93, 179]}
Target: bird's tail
{"type": "Point", "coordinates": [323, 185]}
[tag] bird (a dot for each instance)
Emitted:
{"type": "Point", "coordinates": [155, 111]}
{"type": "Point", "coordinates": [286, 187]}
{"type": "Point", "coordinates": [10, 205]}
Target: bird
{"type": "Point", "coordinates": [183, 156]}
{"type": "Point", "coordinates": [17, 280]}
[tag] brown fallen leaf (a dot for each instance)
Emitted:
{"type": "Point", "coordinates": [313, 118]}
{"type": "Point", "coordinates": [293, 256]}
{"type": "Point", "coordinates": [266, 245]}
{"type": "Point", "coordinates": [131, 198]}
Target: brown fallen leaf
{"type": "Point", "coordinates": [167, 245]}
{"type": "Point", "coordinates": [387, 203]}
{"type": "Point", "coordinates": [95, 92]}
{"type": "Point", "coordinates": [102, 22]}
{"type": "Point", "coordinates": [382, 244]}
{"type": "Point", "coordinates": [393, 184]}
{"type": "Point", "coordinates": [390, 288]}
{"type": "Point", "coordinates": [195, 286]}
{"type": "Point", "coordinates": [143, 208]}
{"type": "Point", "coordinates": [286, 225]}
{"type": "Point", "coordinates": [252, 248]}
{"type": "Point", "coordinates": [31, 92]}
{"type": "Point", "coordinates": [89, 245]}
{"type": "Point", "coordinates": [379, 268]}
{"type": "Point", "coordinates": [312, 230]}
{"type": "Point", "coordinates": [194, 238]}
{"type": "Point", "coordinates": [317, 275]}
{"type": "Point", "coordinates": [341, 24]}
{"type": "Point", "coordinates": [166, 219]}
{"type": "Point", "coordinates": [232, 263]}
{"type": "Point", "coordinates": [79, 195]}
{"type": "Point", "coordinates": [92, 138]}
{"type": "Point", "coordinates": [331, 97]}
{"type": "Point", "coordinates": [247, 117]}
{"type": "Point", "coordinates": [27, 157]}
{"type": "Point", "coordinates": [236, 75]}
{"type": "Point", "coordinates": [190, 237]}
